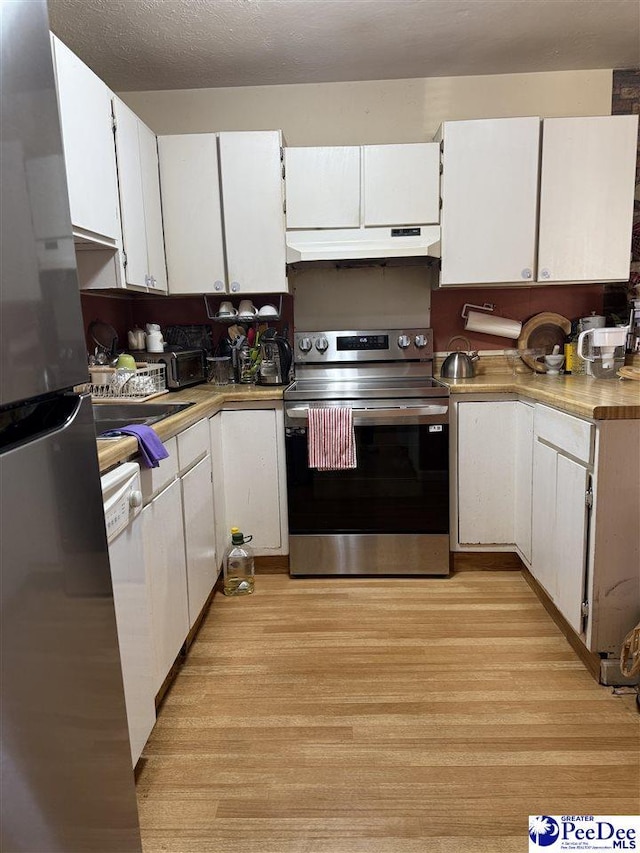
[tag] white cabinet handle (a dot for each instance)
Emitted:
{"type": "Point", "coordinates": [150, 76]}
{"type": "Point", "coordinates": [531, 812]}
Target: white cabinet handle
{"type": "Point", "coordinates": [526, 273]}
{"type": "Point", "coordinates": [235, 286]}
{"type": "Point", "coordinates": [545, 273]}
{"type": "Point", "coordinates": [218, 285]}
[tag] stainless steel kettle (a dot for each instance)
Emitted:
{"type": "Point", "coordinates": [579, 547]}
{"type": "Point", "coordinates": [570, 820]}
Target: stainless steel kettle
{"type": "Point", "coordinates": [275, 359]}
{"type": "Point", "coordinates": [458, 364]}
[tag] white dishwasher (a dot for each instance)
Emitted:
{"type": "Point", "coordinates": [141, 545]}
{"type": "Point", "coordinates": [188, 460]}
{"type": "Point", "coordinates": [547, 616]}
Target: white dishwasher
{"type": "Point", "coordinates": [122, 497]}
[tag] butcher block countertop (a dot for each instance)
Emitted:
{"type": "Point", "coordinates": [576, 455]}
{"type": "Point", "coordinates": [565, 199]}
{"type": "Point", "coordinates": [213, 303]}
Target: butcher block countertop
{"type": "Point", "coordinates": [597, 399]}
{"type": "Point", "coordinates": [208, 400]}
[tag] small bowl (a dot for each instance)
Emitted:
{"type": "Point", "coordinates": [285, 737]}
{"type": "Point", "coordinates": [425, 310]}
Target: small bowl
{"type": "Point", "coordinates": [126, 362]}
{"type": "Point", "coordinates": [554, 364]}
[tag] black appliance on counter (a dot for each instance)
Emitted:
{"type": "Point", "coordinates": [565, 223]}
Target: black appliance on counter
{"type": "Point", "coordinates": [389, 515]}
{"type": "Point", "coordinates": [184, 367]}
{"type": "Point", "coordinates": [275, 359]}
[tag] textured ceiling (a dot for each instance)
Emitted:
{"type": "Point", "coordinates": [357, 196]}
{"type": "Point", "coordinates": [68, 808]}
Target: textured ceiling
{"type": "Point", "coordinates": [186, 44]}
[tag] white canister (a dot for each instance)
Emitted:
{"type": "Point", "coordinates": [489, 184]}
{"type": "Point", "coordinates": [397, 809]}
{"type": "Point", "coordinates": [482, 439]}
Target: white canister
{"type": "Point", "coordinates": [155, 342]}
{"type": "Point", "coordinates": [487, 324]}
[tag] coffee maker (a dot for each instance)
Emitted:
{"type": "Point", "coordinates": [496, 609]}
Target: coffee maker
{"type": "Point", "coordinates": [275, 359]}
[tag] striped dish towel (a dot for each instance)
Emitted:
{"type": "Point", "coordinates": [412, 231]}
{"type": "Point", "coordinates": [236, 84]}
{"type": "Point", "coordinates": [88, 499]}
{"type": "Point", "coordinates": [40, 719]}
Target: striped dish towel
{"type": "Point", "coordinates": [331, 438]}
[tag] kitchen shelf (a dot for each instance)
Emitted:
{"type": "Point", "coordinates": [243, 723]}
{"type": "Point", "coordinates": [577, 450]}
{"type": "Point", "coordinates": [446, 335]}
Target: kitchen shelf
{"type": "Point", "coordinates": [234, 318]}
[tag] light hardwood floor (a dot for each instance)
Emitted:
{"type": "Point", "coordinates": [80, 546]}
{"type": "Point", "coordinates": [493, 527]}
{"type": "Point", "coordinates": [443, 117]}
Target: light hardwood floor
{"type": "Point", "coordinates": [382, 716]}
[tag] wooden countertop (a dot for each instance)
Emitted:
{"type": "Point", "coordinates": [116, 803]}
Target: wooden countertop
{"type": "Point", "coordinates": [207, 399]}
{"type": "Point", "coordinates": [598, 399]}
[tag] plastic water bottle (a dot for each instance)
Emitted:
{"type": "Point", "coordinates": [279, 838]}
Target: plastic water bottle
{"type": "Point", "coordinates": [238, 565]}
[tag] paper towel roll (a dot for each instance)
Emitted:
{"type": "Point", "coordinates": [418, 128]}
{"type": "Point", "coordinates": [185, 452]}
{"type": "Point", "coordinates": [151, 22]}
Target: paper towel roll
{"type": "Point", "coordinates": [487, 324]}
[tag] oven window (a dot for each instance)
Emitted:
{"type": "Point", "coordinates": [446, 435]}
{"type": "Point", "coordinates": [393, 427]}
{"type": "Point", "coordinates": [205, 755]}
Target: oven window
{"type": "Point", "coordinates": [401, 484]}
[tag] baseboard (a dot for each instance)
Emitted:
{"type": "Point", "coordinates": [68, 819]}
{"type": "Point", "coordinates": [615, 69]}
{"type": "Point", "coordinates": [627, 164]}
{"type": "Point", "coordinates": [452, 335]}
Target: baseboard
{"type": "Point", "coordinates": [591, 660]}
{"type": "Point", "coordinates": [276, 564]}
{"type": "Point", "coordinates": [486, 561]}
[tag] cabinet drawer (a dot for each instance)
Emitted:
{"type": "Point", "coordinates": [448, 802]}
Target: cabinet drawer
{"type": "Point", "coordinates": [193, 444]}
{"type": "Point", "coordinates": [571, 435]}
{"type": "Point", "coordinates": [154, 480]}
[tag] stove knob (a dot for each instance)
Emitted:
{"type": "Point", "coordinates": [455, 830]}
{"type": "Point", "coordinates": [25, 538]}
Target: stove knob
{"type": "Point", "coordinates": [421, 341]}
{"type": "Point", "coordinates": [304, 344]}
{"type": "Point", "coordinates": [322, 344]}
{"type": "Point", "coordinates": [404, 341]}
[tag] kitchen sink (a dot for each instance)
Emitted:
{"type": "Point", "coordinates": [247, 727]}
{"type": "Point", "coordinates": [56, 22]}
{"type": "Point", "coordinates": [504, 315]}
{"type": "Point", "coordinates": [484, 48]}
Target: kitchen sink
{"type": "Point", "coordinates": [109, 416]}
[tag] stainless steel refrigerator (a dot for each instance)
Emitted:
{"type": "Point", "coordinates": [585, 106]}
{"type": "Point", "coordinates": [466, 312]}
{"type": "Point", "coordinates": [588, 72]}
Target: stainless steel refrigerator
{"type": "Point", "coordinates": [66, 777]}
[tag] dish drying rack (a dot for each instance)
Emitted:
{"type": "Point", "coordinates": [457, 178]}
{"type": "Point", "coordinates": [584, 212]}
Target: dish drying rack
{"type": "Point", "coordinates": [148, 381]}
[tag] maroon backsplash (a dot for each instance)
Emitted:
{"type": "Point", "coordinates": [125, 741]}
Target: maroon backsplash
{"type": "Point", "coordinates": [129, 310]}
{"type": "Point", "coordinates": [571, 301]}
{"type": "Point", "coordinates": [115, 310]}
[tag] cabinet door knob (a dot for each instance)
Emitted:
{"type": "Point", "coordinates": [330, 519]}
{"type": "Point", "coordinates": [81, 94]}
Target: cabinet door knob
{"type": "Point", "coordinates": [545, 273]}
{"type": "Point", "coordinates": [235, 286]}
{"type": "Point", "coordinates": [526, 273]}
{"type": "Point", "coordinates": [218, 285]}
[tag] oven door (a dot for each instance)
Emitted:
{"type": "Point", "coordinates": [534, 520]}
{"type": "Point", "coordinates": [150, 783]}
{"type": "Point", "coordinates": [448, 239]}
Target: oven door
{"type": "Point", "coordinates": [397, 494]}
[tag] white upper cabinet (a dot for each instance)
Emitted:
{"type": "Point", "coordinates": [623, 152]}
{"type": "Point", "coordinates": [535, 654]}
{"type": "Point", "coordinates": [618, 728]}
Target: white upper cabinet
{"type": "Point", "coordinates": [401, 184]}
{"type": "Point", "coordinates": [251, 168]}
{"type": "Point", "coordinates": [87, 134]}
{"type": "Point", "coordinates": [490, 223]}
{"type": "Point", "coordinates": [363, 186]}
{"type": "Point", "coordinates": [190, 190]}
{"type": "Point", "coordinates": [323, 187]}
{"type": "Point", "coordinates": [156, 263]}
{"type": "Point", "coordinates": [139, 186]}
{"type": "Point", "coordinates": [134, 241]}
{"type": "Point", "coordinates": [489, 201]}
{"type": "Point", "coordinates": [248, 195]}
{"type": "Point", "coordinates": [586, 198]}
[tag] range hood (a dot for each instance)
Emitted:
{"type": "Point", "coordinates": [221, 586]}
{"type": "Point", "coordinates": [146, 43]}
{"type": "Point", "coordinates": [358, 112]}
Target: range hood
{"type": "Point", "coordinates": [363, 243]}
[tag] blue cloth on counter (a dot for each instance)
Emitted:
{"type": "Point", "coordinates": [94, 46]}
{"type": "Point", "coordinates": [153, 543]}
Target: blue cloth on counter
{"type": "Point", "coordinates": [151, 448]}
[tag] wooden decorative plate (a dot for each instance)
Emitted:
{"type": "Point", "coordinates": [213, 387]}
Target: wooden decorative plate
{"type": "Point", "coordinates": [543, 332]}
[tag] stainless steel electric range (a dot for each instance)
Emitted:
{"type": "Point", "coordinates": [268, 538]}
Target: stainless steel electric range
{"type": "Point", "coordinates": [389, 515]}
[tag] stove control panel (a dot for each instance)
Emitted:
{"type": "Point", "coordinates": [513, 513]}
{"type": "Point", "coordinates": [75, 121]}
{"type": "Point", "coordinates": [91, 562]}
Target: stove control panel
{"type": "Point", "coordinates": [368, 345]}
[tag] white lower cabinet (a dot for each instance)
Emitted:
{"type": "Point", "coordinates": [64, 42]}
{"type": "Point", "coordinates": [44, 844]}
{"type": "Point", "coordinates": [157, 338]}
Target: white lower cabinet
{"type": "Point", "coordinates": [163, 532]}
{"type": "Point", "coordinates": [543, 515]}
{"type": "Point", "coordinates": [523, 479]}
{"type": "Point", "coordinates": [179, 541]}
{"type": "Point", "coordinates": [222, 532]}
{"type": "Point", "coordinates": [562, 457]}
{"type": "Point", "coordinates": [486, 472]}
{"type": "Point", "coordinates": [569, 488]}
{"type": "Point", "coordinates": [194, 462]}
{"type": "Point", "coordinates": [252, 483]}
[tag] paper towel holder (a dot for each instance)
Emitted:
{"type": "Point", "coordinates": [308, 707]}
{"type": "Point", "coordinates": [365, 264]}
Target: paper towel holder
{"type": "Point", "coordinates": [488, 306]}
{"type": "Point", "coordinates": [500, 327]}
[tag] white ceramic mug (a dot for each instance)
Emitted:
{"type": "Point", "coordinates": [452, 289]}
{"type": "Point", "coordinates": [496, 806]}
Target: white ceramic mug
{"type": "Point", "coordinates": [268, 311]}
{"type": "Point", "coordinates": [226, 309]}
{"type": "Point", "coordinates": [247, 307]}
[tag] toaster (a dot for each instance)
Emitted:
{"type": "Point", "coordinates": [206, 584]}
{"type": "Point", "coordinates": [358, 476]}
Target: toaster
{"type": "Point", "coordinates": [184, 367]}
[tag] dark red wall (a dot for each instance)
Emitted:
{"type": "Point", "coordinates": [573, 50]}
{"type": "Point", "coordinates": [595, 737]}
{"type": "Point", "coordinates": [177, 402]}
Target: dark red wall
{"type": "Point", "coordinates": [571, 301]}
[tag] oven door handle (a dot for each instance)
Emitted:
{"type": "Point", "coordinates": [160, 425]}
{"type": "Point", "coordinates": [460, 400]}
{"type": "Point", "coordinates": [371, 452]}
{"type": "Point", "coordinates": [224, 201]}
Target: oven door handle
{"type": "Point", "coordinates": [430, 414]}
